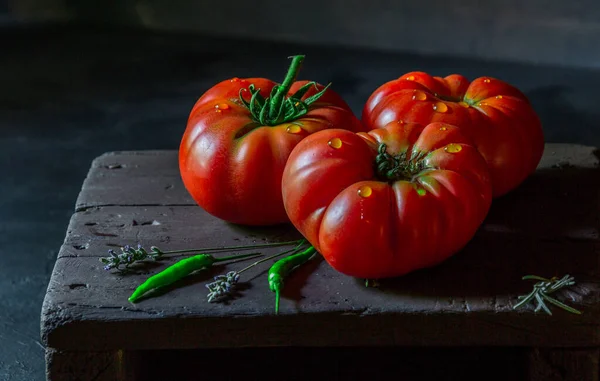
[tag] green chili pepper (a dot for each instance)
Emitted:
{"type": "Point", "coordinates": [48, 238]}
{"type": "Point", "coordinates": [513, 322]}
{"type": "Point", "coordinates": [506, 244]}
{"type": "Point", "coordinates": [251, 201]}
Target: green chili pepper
{"type": "Point", "coordinates": [179, 270]}
{"type": "Point", "coordinates": [283, 268]}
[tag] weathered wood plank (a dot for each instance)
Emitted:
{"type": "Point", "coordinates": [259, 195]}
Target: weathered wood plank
{"type": "Point", "coordinates": [88, 365]}
{"type": "Point", "coordinates": [488, 267]}
{"type": "Point", "coordinates": [476, 294]}
{"type": "Point", "coordinates": [134, 178]}
{"type": "Point", "coordinates": [152, 177]}
{"type": "Point", "coordinates": [93, 231]}
{"type": "Point", "coordinates": [317, 363]}
{"type": "Point", "coordinates": [549, 226]}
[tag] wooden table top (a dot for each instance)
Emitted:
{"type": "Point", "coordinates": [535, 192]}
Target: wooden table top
{"type": "Point", "coordinates": [549, 226]}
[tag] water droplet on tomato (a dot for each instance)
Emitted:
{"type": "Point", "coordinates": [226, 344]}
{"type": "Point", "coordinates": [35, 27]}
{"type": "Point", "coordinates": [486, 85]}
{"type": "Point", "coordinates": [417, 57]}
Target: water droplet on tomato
{"type": "Point", "coordinates": [463, 104]}
{"type": "Point", "coordinates": [453, 148]}
{"type": "Point", "coordinates": [421, 192]}
{"type": "Point", "coordinates": [365, 191]}
{"type": "Point", "coordinates": [221, 106]}
{"type": "Point", "coordinates": [487, 80]}
{"type": "Point", "coordinates": [498, 96]}
{"type": "Point", "coordinates": [443, 128]}
{"type": "Point", "coordinates": [410, 78]}
{"type": "Point", "coordinates": [419, 95]}
{"type": "Point", "coordinates": [440, 107]}
{"type": "Point", "coordinates": [335, 143]}
{"type": "Point", "coordinates": [400, 122]}
{"type": "Point", "coordinates": [293, 129]}
{"type": "Point", "coordinates": [235, 79]}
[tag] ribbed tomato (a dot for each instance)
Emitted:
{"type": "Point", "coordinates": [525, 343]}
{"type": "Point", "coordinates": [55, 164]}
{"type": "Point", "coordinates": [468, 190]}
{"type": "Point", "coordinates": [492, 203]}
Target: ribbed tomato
{"type": "Point", "coordinates": [239, 136]}
{"type": "Point", "coordinates": [496, 115]}
{"type": "Point", "coordinates": [390, 201]}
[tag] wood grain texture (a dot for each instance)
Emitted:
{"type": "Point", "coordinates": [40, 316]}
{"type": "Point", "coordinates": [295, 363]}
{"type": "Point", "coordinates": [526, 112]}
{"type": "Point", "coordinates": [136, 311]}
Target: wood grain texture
{"type": "Point", "coordinates": [88, 365]}
{"type": "Point", "coordinates": [549, 226]}
{"type": "Point", "coordinates": [134, 178]}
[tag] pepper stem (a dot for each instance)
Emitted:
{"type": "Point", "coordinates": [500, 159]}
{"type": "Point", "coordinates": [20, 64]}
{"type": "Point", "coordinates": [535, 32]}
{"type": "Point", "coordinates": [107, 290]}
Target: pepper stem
{"type": "Point", "coordinates": [301, 242]}
{"type": "Point", "coordinates": [239, 256]}
{"type": "Point", "coordinates": [223, 248]}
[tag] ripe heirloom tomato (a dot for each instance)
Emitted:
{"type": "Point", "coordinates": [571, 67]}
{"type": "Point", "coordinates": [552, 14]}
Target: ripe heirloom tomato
{"type": "Point", "coordinates": [496, 116]}
{"type": "Point", "coordinates": [390, 201]}
{"type": "Point", "coordinates": [239, 136]}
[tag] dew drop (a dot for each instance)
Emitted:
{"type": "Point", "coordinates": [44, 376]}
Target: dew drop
{"type": "Point", "coordinates": [235, 79]}
{"type": "Point", "coordinates": [335, 143]}
{"type": "Point", "coordinates": [365, 191]}
{"type": "Point", "coordinates": [498, 96]}
{"type": "Point", "coordinates": [221, 106]}
{"type": "Point", "coordinates": [440, 107]}
{"type": "Point", "coordinates": [443, 128]}
{"type": "Point", "coordinates": [453, 148]}
{"type": "Point", "coordinates": [410, 78]}
{"type": "Point", "coordinates": [400, 122]}
{"type": "Point", "coordinates": [421, 192]}
{"type": "Point", "coordinates": [487, 80]}
{"type": "Point", "coordinates": [293, 129]}
{"type": "Point", "coordinates": [463, 104]}
{"type": "Point", "coordinates": [419, 95]}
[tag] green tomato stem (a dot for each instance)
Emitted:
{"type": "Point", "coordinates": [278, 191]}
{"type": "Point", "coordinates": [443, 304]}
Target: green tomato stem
{"type": "Point", "coordinates": [284, 88]}
{"type": "Point", "coordinates": [280, 108]}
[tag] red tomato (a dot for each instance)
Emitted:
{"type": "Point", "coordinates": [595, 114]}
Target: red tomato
{"type": "Point", "coordinates": [390, 201]}
{"type": "Point", "coordinates": [232, 164]}
{"type": "Point", "coordinates": [495, 115]}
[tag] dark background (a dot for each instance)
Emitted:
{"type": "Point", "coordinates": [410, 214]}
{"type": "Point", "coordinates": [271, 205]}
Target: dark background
{"type": "Point", "coordinates": [79, 78]}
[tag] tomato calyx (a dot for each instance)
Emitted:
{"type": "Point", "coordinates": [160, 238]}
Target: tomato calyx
{"type": "Point", "coordinates": [277, 108]}
{"type": "Point", "coordinates": [394, 168]}
{"type": "Point", "coordinates": [447, 98]}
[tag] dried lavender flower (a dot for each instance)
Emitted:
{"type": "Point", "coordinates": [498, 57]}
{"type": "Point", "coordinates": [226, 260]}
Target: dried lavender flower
{"type": "Point", "coordinates": [128, 256]}
{"type": "Point", "coordinates": [222, 286]}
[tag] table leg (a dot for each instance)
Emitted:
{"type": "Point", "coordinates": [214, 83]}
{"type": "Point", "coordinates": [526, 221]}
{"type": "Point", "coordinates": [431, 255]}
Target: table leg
{"type": "Point", "coordinates": [564, 364]}
{"type": "Point", "coordinates": [89, 365]}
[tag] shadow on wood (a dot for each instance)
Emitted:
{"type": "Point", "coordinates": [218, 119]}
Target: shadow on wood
{"type": "Point", "coordinates": [547, 227]}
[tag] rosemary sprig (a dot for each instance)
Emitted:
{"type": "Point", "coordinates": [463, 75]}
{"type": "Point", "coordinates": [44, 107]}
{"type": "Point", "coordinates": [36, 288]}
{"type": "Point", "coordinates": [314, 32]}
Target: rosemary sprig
{"type": "Point", "coordinates": [541, 291]}
{"type": "Point", "coordinates": [129, 255]}
{"type": "Point", "coordinates": [224, 284]}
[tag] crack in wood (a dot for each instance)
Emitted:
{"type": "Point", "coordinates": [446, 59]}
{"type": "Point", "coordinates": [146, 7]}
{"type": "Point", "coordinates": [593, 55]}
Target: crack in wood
{"type": "Point", "coordinates": [83, 208]}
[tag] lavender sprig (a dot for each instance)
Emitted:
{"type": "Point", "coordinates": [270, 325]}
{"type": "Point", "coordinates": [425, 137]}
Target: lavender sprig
{"type": "Point", "coordinates": [128, 256]}
{"type": "Point", "coordinates": [225, 284]}
{"type": "Point", "coordinates": [222, 285]}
